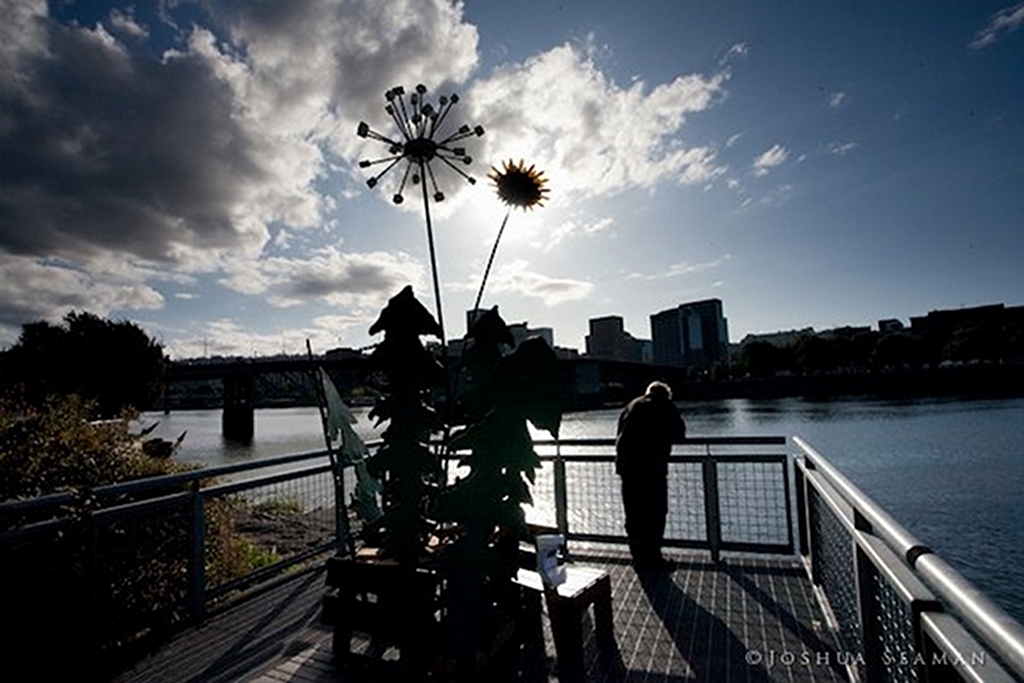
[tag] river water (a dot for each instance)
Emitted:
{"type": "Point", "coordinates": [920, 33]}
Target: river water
{"type": "Point", "coordinates": [951, 471]}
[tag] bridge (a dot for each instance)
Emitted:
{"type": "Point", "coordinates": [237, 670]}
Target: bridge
{"type": "Point", "coordinates": [245, 384]}
{"type": "Point", "coordinates": [239, 386]}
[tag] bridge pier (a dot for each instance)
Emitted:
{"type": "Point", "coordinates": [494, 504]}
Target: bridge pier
{"type": "Point", "coordinates": [238, 418]}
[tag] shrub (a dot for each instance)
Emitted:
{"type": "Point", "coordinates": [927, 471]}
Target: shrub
{"type": "Point", "coordinates": [54, 447]}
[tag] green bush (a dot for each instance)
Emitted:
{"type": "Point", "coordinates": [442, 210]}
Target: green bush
{"type": "Point", "coordinates": [54, 447]}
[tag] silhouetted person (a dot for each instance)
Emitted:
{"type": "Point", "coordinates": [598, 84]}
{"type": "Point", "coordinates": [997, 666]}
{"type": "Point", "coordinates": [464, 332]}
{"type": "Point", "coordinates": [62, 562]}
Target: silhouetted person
{"type": "Point", "coordinates": [648, 426]}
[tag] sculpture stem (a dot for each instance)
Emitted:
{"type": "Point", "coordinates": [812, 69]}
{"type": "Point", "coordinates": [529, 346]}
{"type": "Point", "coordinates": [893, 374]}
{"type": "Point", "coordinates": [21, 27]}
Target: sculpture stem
{"type": "Point", "coordinates": [490, 261]}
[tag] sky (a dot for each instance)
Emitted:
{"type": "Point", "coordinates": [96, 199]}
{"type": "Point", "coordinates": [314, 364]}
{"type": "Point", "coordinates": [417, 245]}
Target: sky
{"type": "Point", "coordinates": [192, 165]}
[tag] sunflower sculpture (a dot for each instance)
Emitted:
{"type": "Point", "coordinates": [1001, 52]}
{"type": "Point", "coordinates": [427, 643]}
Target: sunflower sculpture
{"type": "Point", "coordinates": [424, 137]}
{"type": "Point", "coordinates": [517, 187]}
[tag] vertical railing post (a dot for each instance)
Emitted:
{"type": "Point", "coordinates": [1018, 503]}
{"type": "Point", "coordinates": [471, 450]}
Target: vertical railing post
{"type": "Point", "coordinates": [712, 515]}
{"type": "Point", "coordinates": [92, 578]}
{"type": "Point", "coordinates": [800, 486]}
{"type": "Point", "coordinates": [197, 556]}
{"type": "Point", "coordinates": [789, 504]}
{"type": "Point", "coordinates": [342, 536]}
{"type": "Point", "coordinates": [561, 497]}
{"type": "Point", "coordinates": [865, 577]}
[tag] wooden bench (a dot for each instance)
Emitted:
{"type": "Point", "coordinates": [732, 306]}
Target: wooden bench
{"type": "Point", "coordinates": [583, 586]}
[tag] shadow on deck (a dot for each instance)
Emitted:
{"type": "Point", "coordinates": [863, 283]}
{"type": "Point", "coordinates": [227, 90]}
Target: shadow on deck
{"type": "Point", "coordinates": [744, 619]}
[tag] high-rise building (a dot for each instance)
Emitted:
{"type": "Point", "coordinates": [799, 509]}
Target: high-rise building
{"type": "Point", "coordinates": [609, 339]}
{"type": "Point", "coordinates": [694, 334]}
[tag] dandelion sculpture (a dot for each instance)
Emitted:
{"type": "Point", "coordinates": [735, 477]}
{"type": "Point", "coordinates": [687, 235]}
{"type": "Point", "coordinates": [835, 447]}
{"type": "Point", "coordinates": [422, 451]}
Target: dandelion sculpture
{"type": "Point", "coordinates": [423, 140]}
{"type": "Point", "coordinates": [517, 187]}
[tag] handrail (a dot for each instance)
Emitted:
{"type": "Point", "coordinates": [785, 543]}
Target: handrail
{"type": "Point", "coordinates": [155, 482]}
{"type": "Point", "coordinates": [688, 441]}
{"type": "Point", "coordinates": [882, 523]}
{"type": "Point", "coordinates": [1001, 631]}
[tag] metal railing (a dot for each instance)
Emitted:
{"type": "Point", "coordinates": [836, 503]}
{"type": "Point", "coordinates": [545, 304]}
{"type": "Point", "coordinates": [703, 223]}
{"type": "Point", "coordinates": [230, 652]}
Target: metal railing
{"type": "Point", "coordinates": [722, 496]}
{"type": "Point", "coordinates": [167, 549]}
{"type": "Point", "coordinates": [900, 612]}
{"type": "Point", "coordinates": [130, 558]}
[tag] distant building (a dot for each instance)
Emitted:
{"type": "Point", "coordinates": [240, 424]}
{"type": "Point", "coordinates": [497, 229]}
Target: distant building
{"type": "Point", "coordinates": [609, 339]}
{"type": "Point", "coordinates": [694, 334]}
{"type": "Point", "coordinates": [520, 332]}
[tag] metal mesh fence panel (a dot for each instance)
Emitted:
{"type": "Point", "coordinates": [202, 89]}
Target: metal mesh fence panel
{"type": "Point", "coordinates": [266, 524]}
{"type": "Point", "coordinates": [686, 518]}
{"type": "Point", "coordinates": [594, 503]}
{"type": "Point", "coordinates": [896, 630]}
{"type": "Point", "coordinates": [543, 492]}
{"type": "Point", "coordinates": [752, 502]}
{"type": "Point", "coordinates": [833, 561]}
{"type": "Point", "coordinates": [140, 568]}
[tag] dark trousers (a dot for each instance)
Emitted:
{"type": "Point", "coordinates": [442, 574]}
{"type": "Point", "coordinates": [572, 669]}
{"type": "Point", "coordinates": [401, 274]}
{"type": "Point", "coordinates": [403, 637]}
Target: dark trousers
{"type": "Point", "coordinates": [645, 499]}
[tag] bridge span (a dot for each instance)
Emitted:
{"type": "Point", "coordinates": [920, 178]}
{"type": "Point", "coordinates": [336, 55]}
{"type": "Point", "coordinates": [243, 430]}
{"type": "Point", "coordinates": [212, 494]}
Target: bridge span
{"type": "Point", "coordinates": [239, 386]}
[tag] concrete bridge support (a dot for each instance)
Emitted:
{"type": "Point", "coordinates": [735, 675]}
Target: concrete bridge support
{"type": "Point", "coordinates": [238, 420]}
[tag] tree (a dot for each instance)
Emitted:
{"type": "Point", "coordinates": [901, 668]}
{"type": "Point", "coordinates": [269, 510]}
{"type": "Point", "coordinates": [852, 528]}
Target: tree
{"type": "Point", "coordinates": [761, 359]}
{"type": "Point", "coordinates": [113, 364]}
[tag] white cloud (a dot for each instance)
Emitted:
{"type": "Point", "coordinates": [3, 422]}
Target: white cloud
{"type": "Point", "coordinates": [737, 50]}
{"type": "Point", "coordinates": [571, 229]}
{"type": "Point", "coordinates": [516, 278]}
{"type": "Point", "coordinates": [185, 162]}
{"type": "Point", "coordinates": [590, 136]}
{"type": "Point", "coordinates": [775, 156]}
{"type": "Point", "coordinates": [37, 289]}
{"type": "Point", "coordinates": [231, 337]}
{"type": "Point", "coordinates": [124, 168]}
{"type": "Point", "coordinates": [683, 268]}
{"type": "Point", "coordinates": [330, 275]}
{"type": "Point", "coordinates": [124, 22]}
{"type": "Point", "coordinates": [1006, 20]}
{"type": "Point", "coordinates": [841, 149]}
{"type": "Point", "coordinates": [838, 100]}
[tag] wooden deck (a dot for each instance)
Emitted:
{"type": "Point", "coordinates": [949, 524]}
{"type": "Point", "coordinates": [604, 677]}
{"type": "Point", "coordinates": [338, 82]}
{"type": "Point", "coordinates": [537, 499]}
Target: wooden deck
{"type": "Point", "coordinates": [745, 619]}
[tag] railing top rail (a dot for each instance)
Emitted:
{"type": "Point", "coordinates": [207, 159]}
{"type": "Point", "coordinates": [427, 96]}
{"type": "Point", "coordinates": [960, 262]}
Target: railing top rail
{"type": "Point", "coordinates": [1001, 632]}
{"type": "Point", "coordinates": [156, 482]}
{"type": "Point", "coordinates": [168, 480]}
{"type": "Point", "coordinates": [688, 441]}
{"type": "Point", "coordinates": [882, 523]}
{"type": "Point", "coordinates": [26, 504]}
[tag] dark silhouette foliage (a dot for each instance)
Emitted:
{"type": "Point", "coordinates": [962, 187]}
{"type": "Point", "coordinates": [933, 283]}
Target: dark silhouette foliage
{"type": "Point", "coordinates": [409, 472]}
{"type": "Point", "coordinates": [113, 364]}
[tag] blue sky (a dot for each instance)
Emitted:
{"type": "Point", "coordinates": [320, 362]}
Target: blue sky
{"type": "Point", "coordinates": [191, 166]}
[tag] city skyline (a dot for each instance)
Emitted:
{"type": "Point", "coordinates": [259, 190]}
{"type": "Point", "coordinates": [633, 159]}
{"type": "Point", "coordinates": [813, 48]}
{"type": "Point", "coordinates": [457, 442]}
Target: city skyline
{"type": "Point", "coordinates": [193, 167]}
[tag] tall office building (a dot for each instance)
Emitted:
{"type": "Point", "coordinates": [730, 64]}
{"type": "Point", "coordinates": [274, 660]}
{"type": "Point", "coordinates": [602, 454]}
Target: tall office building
{"type": "Point", "coordinates": [695, 334]}
{"type": "Point", "coordinates": [608, 339]}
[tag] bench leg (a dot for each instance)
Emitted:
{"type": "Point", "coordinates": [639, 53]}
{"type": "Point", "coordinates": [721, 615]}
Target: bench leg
{"type": "Point", "coordinates": [603, 624]}
{"type": "Point", "coordinates": [568, 636]}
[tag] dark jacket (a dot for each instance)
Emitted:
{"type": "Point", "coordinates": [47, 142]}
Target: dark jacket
{"type": "Point", "coordinates": [647, 429]}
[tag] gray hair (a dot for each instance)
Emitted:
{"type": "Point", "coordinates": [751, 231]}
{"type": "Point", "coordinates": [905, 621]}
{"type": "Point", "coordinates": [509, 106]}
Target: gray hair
{"type": "Point", "coordinates": [659, 390]}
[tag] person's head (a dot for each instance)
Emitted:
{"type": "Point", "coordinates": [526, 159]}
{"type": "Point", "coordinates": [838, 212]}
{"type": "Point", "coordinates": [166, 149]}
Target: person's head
{"type": "Point", "coordinates": [658, 391]}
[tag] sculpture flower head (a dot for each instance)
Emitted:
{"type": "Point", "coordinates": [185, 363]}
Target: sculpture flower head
{"type": "Point", "coordinates": [519, 186]}
{"type": "Point", "coordinates": [422, 141]}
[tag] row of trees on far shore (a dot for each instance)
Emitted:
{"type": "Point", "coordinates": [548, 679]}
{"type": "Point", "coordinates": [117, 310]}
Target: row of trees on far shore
{"type": "Point", "coordinates": [863, 350]}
